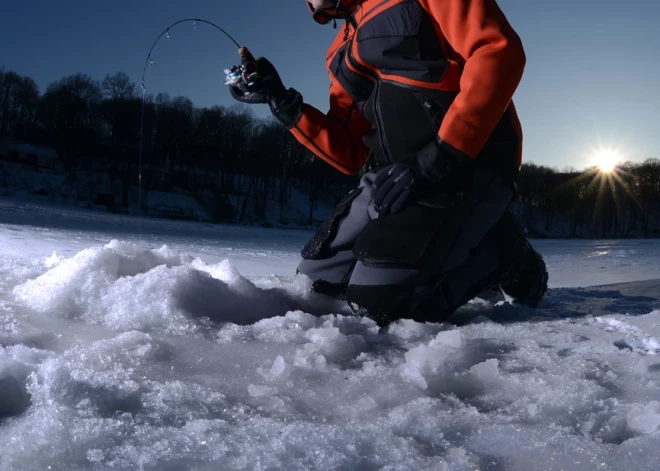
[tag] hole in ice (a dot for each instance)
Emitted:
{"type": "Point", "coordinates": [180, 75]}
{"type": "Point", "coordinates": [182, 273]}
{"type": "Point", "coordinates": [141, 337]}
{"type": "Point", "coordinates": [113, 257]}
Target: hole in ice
{"type": "Point", "coordinates": [622, 345]}
{"type": "Point", "coordinates": [564, 352]}
{"type": "Point", "coordinates": [14, 398]}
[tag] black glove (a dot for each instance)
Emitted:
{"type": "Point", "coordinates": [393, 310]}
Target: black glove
{"type": "Point", "coordinates": [439, 160]}
{"type": "Point", "coordinates": [399, 185]}
{"type": "Point", "coordinates": [266, 87]}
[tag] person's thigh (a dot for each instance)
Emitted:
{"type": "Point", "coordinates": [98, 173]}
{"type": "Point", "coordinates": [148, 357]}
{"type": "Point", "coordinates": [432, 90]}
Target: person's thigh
{"type": "Point", "coordinates": [328, 257]}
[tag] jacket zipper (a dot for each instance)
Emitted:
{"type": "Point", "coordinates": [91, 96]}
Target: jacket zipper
{"type": "Point", "coordinates": [356, 65]}
{"type": "Point", "coordinates": [373, 76]}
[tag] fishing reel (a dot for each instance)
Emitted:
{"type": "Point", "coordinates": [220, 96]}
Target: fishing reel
{"type": "Point", "coordinates": [244, 75]}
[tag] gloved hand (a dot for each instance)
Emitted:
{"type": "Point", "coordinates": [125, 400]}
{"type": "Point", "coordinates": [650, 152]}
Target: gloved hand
{"type": "Point", "coordinates": [399, 185]}
{"type": "Point", "coordinates": [266, 87]}
{"type": "Point", "coordinates": [262, 82]}
{"type": "Point", "coordinates": [438, 160]}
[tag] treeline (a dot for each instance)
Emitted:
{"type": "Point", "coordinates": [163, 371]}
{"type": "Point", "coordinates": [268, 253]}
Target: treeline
{"type": "Point", "coordinates": [591, 203]}
{"type": "Point", "coordinates": [215, 153]}
{"type": "Point", "coordinates": [221, 154]}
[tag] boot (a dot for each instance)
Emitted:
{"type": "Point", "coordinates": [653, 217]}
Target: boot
{"type": "Point", "coordinates": [527, 279]}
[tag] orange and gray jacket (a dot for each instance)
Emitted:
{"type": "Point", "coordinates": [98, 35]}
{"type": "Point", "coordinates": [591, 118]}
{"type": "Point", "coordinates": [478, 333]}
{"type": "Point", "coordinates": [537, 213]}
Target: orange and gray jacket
{"type": "Point", "coordinates": [405, 72]}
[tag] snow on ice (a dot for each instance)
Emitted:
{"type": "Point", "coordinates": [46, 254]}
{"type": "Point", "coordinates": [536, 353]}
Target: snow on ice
{"type": "Point", "coordinates": [130, 343]}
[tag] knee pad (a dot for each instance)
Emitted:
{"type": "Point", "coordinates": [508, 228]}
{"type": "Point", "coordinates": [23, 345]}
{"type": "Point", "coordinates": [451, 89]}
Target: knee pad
{"type": "Point", "coordinates": [318, 247]}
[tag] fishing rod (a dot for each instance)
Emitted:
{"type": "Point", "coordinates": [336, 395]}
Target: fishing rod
{"type": "Point", "coordinates": [234, 75]}
{"type": "Point", "coordinates": [166, 33]}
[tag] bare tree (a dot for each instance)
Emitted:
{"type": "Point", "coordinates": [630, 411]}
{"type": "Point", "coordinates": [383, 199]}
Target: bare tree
{"type": "Point", "coordinates": [118, 87]}
{"type": "Point", "coordinates": [70, 112]}
{"type": "Point", "coordinates": [9, 82]}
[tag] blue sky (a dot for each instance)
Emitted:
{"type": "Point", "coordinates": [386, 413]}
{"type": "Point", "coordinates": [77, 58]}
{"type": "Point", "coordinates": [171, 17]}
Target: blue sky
{"type": "Point", "coordinates": [591, 78]}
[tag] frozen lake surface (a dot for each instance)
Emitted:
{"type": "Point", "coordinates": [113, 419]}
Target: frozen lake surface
{"type": "Point", "coordinates": [135, 343]}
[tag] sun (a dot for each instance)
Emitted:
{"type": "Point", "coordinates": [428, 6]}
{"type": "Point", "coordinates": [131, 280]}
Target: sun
{"type": "Point", "coordinates": [606, 159]}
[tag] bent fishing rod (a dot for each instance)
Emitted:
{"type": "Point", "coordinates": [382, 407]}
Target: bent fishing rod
{"type": "Point", "coordinates": [239, 75]}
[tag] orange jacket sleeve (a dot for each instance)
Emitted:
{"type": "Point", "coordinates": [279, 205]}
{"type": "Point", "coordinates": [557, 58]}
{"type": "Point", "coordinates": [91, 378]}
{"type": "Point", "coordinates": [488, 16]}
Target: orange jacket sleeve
{"type": "Point", "coordinates": [335, 137]}
{"type": "Point", "coordinates": [493, 59]}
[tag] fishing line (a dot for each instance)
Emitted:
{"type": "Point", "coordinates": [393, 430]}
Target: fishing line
{"type": "Point", "coordinates": [148, 63]}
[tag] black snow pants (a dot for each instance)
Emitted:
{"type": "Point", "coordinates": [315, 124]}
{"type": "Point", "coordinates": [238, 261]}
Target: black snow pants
{"type": "Point", "coordinates": [422, 263]}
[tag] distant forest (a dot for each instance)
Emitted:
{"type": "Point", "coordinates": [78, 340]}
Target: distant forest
{"type": "Point", "coordinates": [229, 151]}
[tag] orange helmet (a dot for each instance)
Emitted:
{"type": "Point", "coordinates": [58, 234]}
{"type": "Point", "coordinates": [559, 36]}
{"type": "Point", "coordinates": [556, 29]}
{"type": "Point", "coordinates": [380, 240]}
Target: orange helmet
{"type": "Point", "coordinates": [325, 15]}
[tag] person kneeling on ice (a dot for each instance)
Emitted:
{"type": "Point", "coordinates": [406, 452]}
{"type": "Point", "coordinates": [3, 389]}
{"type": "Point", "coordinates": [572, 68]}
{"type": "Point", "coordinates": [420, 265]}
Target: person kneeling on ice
{"type": "Point", "coordinates": [424, 88]}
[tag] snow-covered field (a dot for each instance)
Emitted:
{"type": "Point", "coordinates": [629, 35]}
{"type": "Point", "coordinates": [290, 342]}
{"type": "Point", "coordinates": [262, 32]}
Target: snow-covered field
{"type": "Point", "coordinates": [132, 343]}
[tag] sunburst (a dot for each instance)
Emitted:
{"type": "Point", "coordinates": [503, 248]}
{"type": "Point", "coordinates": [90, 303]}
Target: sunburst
{"type": "Point", "coordinates": [607, 159]}
{"type": "Point", "coordinates": [607, 174]}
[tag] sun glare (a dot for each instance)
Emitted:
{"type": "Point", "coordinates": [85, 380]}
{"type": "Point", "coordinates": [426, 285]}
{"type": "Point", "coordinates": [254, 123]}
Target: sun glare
{"type": "Point", "coordinates": [607, 176]}
{"type": "Point", "coordinates": [606, 159]}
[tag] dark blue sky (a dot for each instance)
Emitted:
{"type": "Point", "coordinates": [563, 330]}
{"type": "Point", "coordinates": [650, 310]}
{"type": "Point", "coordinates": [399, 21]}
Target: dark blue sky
{"type": "Point", "coordinates": [591, 77]}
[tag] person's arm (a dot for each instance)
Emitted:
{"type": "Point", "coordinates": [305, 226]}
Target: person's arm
{"type": "Point", "coordinates": [335, 137]}
{"type": "Point", "coordinates": [494, 61]}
